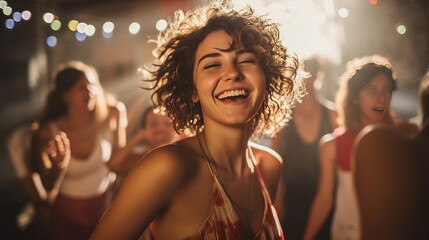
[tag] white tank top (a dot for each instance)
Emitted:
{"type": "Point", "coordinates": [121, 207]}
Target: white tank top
{"type": "Point", "coordinates": [345, 225]}
{"type": "Point", "coordinates": [90, 177]}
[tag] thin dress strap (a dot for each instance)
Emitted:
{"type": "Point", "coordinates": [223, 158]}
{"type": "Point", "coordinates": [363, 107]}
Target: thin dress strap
{"type": "Point", "coordinates": [258, 173]}
{"type": "Point", "coordinates": [204, 155]}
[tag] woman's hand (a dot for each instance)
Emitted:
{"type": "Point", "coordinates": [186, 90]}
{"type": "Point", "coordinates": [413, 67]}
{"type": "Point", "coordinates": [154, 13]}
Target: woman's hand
{"type": "Point", "coordinates": [56, 154]}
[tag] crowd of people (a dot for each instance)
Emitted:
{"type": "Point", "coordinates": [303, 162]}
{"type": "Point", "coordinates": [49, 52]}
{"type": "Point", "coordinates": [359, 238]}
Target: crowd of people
{"type": "Point", "coordinates": [221, 81]}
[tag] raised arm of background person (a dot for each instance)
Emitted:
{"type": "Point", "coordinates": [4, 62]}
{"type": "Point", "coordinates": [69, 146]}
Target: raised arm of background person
{"type": "Point", "coordinates": [323, 201]}
{"type": "Point", "coordinates": [125, 156]}
{"type": "Point", "coordinates": [147, 191]}
{"type": "Point", "coordinates": [118, 124]}
{"type": "Point", "coordinates": [52, 152]}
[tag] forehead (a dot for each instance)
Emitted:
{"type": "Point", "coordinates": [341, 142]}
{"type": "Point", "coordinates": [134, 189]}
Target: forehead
{"type": "Point", "coordinates": [215, 41]}
{"type": "Point", "coordinates": [380, 80]}
{"type": "Point", "coordinates": [82, 80]}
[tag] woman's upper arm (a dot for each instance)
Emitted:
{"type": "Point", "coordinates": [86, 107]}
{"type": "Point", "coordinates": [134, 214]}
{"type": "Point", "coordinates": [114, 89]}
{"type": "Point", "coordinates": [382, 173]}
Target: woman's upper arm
{"type": "Point", "coordinates": [119, 122]}
{"type": "Point", "coordinates": [144, 195]}
{"type": "Point", "coordinates": [327, 156]}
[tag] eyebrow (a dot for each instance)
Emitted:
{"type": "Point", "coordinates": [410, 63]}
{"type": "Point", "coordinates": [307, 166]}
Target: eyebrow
{"type": "Point", "coordinates": [216, 54]}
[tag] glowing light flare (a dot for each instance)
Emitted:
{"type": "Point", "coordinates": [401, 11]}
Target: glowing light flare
{"type": "Point", "coordinates": [51, 41]}
{"type": "Point", "coordinates": [7, 10]}
{"type": "Point", "coordinates": [401, 29]}
{"type": "Point", "coordinates": [26, 15]}
{"type": "Point", "coordinates": [134, 28]}
{"type": "Point", "coordinates": [108, 27]}
{"type": "Point", "coordinates": [56, 25]}
{"type": "Point", "coordinates": [343, 12]}
{"type": "Point", "coordinates": [161, 25]}
{"type": "Point", "coordinates": [3, 4]}
{"type": "Point", "coordinates": [48, 17]}
{"type": "Point", "coordinates": [309, 29]}
{"type": "Point", "coordinates": [373, 2]}
{"type": "Point", "coordinates": [9, 23]}
{"type": "Point", "coordinates": [73, 25]}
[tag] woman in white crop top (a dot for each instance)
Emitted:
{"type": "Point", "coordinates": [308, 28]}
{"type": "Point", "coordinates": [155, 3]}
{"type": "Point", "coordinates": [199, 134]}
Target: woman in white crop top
{"type": "Point", "coordinates": [95, 126]}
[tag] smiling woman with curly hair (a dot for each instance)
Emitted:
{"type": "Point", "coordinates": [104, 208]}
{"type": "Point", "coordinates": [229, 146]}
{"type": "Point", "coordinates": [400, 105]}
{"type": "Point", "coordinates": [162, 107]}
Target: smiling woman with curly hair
{"type": "Point", "coordinates": [225, 76]}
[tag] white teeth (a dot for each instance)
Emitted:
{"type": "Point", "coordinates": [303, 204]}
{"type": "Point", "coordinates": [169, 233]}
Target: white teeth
{"type": "Point", "coordinates": [379, 108]}
{"type": "Point", "coordinates": [232, 93]}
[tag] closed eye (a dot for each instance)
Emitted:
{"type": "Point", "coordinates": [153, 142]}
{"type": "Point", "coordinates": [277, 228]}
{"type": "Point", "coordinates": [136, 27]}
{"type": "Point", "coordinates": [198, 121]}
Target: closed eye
{"type": "Point", "coordinates": [211, 66]}
{"type": "Point", "coordinates": [247, 61]}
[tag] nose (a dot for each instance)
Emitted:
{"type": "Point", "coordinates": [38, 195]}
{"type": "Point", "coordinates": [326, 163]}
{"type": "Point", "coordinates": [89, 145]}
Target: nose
{"type": "Point", "coordinates": [232, 72]}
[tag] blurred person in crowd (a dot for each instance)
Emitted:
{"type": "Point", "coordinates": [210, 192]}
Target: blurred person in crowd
{"type": "Point", "coordinates": [155, 129]}
{"type": "Point", "coordinates": [363, 98]}
{"type": "Point", "coordinates": [225, 75]}
{"type": "Point", "coordinates": [34, 218]}
{"type": "Point", "coordinates": [94, 123]}
{"type": "Point", "coordinates": [298, 145]}
{"type": "Point", "coordinates": [391, 178]}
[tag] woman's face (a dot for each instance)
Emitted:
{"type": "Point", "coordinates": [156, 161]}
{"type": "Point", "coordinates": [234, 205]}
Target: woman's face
{"type": "Point", "coordinates": [81, 95]}
{"type": "Point", "coordinates": [159, 129]}
{"type": "Point", "coordinates": [374, 100]}
{"type": "Point", "coordinates": [230, 85]}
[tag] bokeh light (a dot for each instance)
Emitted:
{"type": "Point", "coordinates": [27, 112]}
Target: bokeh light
{"type": "Point", "coordinates": [401, 29]}
{"type": "Point", "coordinates": [26, 15]}
{"type": "Point", "coordinates": [51, 41]}
{"type": "Point", "coordinates": [107, 34]}
{"type": "Point", "coordinates": [9, 23]}
{"type": "Point", "coordinates": [73, 25]}
{"type": "Point", "coordinates": [56, 25]}
{"type": "Point", "coordinates": [3, 4]}
{"type": "Point", "coordinates": [7, 10]}
{"type": "Point", "coordinates": [161, 25]}
{"type": "Point", "coordinates": [373, 2]}
{"type": "Point", "coordinates": [108, 27]}
{"type": "Point", "coordinates": [17, 17]}
{"type": "Point", "coordinates": [80, 36]}
{"type": "Point", "coordinates": [134, 28]}
{"type": "Point", "coordinates": [48, 17]}
{"type": "Point", "coordinates": [81, 27]}
{"type": "Point", "coordinates": [90, 30]}
{"type": "Point", "coordinates": [343, 12]}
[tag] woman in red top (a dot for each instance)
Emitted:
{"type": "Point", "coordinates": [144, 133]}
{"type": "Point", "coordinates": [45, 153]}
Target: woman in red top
{"type": "Point", "coordinates": [363, 98]}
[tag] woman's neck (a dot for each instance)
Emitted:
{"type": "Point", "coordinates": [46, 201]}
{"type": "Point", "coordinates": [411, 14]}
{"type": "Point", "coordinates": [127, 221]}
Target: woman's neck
{"type": "Point", "coordinates": [227, 148]}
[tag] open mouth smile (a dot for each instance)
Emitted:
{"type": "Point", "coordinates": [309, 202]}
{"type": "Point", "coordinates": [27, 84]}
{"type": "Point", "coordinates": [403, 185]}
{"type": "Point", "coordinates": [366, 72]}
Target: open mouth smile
{"type": "Point", "coordinates": [378, 109]}
{"type": "Point", "coordinates": [233, 94]}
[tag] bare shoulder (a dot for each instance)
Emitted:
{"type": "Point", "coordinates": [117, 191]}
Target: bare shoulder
{"type": "Point", "coordinates": [377, 144]}
{"type": "Point", "coordinates": [328, 148]}
{"type": "Point", "coordinates": [406, 127]}
{"type": "Point", "coordinates": [328, 141]}
{"type": "Point", "coordinates": [270, 166]}
{"type": "Point", "coordinates": [379, 135]}
{"type": "Point", "coordinates": [169, 164]}
{"type": "Point", "coordinates": [265, 154]}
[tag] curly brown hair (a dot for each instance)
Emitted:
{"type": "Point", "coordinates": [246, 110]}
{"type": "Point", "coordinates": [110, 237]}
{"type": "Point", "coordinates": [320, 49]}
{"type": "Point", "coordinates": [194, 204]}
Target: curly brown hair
{"type": "Point", "coordinates": [172, 72]}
